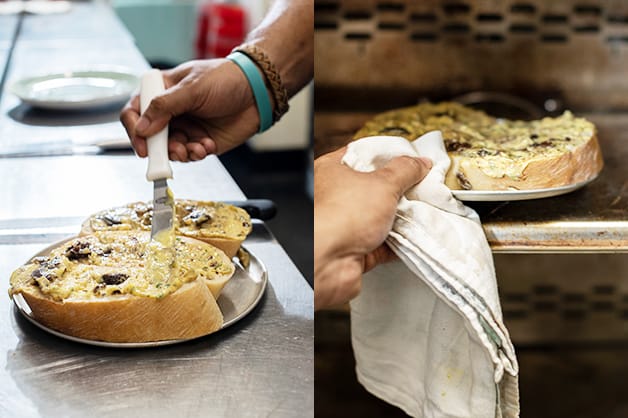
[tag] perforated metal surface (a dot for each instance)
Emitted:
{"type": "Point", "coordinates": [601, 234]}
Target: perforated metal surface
{"type": "Point", "coordinates": [564, 298]}
{"type": "Point", "coordinates": [574, 50]}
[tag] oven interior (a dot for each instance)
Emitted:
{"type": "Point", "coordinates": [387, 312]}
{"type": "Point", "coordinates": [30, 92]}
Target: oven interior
{"type": "Point", "coordinates": [567, 313]}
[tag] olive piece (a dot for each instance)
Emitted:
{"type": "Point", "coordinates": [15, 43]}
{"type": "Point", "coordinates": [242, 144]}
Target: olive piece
{"type": "Point", "coordinates": [78, 250]}
{"type": "Point", "coordinates": [113, 279]}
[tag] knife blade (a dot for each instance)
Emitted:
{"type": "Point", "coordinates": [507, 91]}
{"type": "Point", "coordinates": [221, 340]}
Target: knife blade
{"type": "Point", "coordinates": [159, 170]}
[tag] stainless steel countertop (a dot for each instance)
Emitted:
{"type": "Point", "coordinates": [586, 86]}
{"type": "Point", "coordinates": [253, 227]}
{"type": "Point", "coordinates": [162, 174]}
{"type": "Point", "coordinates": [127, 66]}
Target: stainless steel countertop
{"type": "Point", "coordinates": [4, 52]}
{"type": "Point", "coordinates": [261, 366]}
{"type": "Point", "coordinates": [7, 27]}
{"type": "Point", "coordinates": [86, 20]}
{"type": "Point", "coordinates": [90, 36]}
{"type": "Point", "coordinates": [24, 128]}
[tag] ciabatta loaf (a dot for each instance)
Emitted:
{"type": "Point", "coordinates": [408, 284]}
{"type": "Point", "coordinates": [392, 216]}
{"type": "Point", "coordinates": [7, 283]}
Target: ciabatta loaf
{"type": "Point", "coordinates": [496, 154]}
{"type": "Point", "coordinates": [119, 287]}
{"type": "Point", "coordinates": [219, 224]}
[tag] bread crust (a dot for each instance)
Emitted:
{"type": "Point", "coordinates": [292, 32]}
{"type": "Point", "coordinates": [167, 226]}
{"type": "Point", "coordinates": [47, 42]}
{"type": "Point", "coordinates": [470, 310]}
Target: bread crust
{"type": "Point", "coordinates": [190, 311]}
{"type": "Point", "coordinates": [229, 246]}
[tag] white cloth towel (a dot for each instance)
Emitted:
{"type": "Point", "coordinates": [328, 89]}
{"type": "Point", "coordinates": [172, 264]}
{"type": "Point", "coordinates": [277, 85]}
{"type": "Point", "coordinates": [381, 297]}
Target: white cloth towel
{"type": "Point", "coordinates": [427, 331]}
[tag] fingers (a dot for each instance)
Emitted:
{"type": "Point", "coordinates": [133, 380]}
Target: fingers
{"type": "Point", "coordinates": [194, 142]}
{"type": "Point", "coordinates": [380, 255]}
{"type": "Point", "coordinates": [187, 140]}
{"type": "Point", "coordinates": [404, 172]}
{"type": "Point", "coordinates": [177, 150]}
{"type": "Point", "coordinates": [129, 116]}
{"type": "Point", "coordinates": [209, 145]}
{"type": "Point", "coordinates": [181, 150]}
{"type": "Point", "coordinates": [173, 102]}
{"type": "Point", "coordinates": [196, 151]}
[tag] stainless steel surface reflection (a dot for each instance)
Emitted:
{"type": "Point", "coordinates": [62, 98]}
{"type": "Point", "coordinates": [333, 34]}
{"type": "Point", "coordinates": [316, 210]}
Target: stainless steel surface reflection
{"type": "Point", "coordinates": [260, 366]}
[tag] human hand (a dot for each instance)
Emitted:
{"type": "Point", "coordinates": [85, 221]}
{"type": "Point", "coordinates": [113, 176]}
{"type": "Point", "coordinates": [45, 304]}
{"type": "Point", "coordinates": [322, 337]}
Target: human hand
{"type": "Point", "coordinates": [208, 105]}
{"type": "Point", "coordinates": [353, 214]}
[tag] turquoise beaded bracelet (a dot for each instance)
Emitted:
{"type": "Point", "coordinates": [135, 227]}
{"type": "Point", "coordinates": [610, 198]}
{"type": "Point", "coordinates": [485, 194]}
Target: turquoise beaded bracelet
{"type": "Point", "coordinates": [258, 86]}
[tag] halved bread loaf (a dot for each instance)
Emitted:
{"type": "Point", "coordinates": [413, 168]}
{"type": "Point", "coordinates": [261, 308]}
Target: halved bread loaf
{"type": "Point", "coordinates": [110, 287]}
{"type": "Point", "coordinates": [497, 154]}
{"type": "Point", "coordinates": [219, 224]}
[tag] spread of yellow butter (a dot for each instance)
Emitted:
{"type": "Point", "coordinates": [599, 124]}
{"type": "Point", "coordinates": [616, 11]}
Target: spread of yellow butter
{"type": "Point", "coordinates": [192, 218]}
{"type": "Point", "coordinates": [160, 251]}
{"type": "Point", "coordinates": [499, 147]}
{"type": "Point", "coordinates": [115, 263]}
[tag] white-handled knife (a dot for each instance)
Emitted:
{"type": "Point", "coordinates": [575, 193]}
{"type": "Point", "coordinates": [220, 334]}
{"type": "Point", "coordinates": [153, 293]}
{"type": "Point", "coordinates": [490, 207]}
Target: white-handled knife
{"type": "Point", "coordinates": [159, 170]}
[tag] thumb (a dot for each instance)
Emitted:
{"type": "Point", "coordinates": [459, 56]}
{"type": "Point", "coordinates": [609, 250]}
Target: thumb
{"type": "Point", "coordinates": [380, 255]}
{"type": "Point", "coordinates": [173, 102]}
{"type": "Point", "coordinates": [404, 172]}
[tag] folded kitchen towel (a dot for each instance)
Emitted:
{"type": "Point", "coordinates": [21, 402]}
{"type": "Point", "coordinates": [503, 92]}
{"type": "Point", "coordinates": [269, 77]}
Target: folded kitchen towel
{"type": "Point", "coordinates": [427, 331]}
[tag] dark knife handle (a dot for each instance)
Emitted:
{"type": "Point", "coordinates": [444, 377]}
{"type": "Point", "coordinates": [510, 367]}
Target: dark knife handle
{"type": "Point", "coordinates": [262, 209]}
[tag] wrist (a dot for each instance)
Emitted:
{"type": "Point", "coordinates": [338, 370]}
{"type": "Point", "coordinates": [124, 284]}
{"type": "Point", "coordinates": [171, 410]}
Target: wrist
{"type": "Point", "coordinates": [274, 85]}
{"type": "Point", "coordinates": [242, 84]}
{"type": "Point", "coordinates": [258, 87]}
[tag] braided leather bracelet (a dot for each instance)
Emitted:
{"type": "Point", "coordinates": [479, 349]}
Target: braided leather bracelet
{"type": "Point", "coordinates": [280, 94]}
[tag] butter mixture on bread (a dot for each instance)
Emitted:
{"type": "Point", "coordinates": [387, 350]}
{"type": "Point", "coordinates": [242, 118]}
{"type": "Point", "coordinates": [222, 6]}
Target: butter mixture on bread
{"type": "Point", "coordinates": [108, 263]}
{"type": "Point", "coordinates": [123, 287]}
{"type": "Point", "coordinates": [496, 154]}
{"type": "Point", "coordinates": [222, 225]}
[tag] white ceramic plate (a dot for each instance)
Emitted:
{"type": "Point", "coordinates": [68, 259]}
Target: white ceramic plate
{"type": "Point", "coordinates": [78, 90]}
{"type": "Point", "coordinates": [510, 195]}
{"type": "Point", "coordinates": [238, 298]}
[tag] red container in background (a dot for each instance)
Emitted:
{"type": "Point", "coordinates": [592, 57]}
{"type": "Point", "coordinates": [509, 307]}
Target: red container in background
{"type": "Point", "coordinates": [221, 27]}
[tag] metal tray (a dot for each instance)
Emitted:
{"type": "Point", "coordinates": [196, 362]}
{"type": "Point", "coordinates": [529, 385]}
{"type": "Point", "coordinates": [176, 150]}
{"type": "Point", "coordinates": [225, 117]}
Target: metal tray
{"type": "Point", "coordinates": [238, 298]}
{"type": "Point", "coordinates": [511, 195]}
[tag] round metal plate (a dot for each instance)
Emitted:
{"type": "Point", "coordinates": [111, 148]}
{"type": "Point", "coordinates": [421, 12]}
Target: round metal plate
{"type": "Point", "coordinates": [511, 195]}
{"type": "Point", "coordinates": [238, 298]}
{"type": "Point", "coordinates": [76, 90]}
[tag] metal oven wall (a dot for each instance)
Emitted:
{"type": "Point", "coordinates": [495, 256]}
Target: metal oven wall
{"type": "Point", "coordinates": [564, 298]}
{"type": "Point", "coordinates": [574, 50]}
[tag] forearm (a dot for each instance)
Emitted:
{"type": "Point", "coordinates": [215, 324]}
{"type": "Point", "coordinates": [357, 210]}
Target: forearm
{"type": "Point", "coordinates": [287, 36]}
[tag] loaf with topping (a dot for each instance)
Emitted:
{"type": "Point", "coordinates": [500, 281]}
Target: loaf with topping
{"type": "Point", "coordinates": [123, 287]}
{"type": "Point", "coordinates": [219, 224]}
{"type": "Point", "coordinates": [497, 154]}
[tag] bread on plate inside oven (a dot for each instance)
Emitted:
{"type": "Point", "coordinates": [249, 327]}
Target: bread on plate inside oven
{"type": "Point", "coordinates": [488, 153]}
